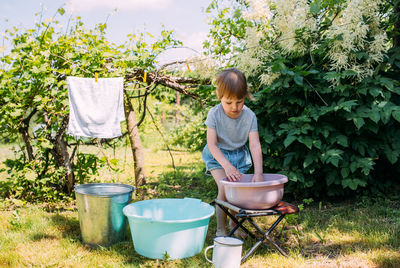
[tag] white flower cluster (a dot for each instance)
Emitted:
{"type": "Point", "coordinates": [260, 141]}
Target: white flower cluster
{"type": "Point", "coordinates": [249, 59]}
{"type": "Point", "coordinates": [291, 16]}
{"type": "Point", "coordinates": [268, 77]}
{"type": "Point", "coordinates": [248, 63]}
{"type": "Point", "coordinates": [353, 31]}
{"type": "Point", "coordinates": [259, 11]}
{"type": "Point", "coordinates": [204, 66]}
{"type": "Point", "coordinates": [287, 17]}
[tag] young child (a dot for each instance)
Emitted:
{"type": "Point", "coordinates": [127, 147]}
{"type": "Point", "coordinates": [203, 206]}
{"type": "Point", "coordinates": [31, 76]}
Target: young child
{"type": "Point", "coordinates": [229, 125]}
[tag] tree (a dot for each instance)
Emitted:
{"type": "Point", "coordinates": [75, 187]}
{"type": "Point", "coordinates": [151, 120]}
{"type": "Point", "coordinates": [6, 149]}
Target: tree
{"type": "Point", "coordinates": [34, 100]}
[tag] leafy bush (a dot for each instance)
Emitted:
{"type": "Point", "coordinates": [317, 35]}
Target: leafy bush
{"type": "Point", "coordinates": [327, 90]}
{"type": "Point", "coordinates": [39, 180]}
{"type": "Point", "coordinates": [32, 181]}
{"type": "Point", "coordinates": [191, 133]}
{"type": "Point", "coordinates": [329, 140]}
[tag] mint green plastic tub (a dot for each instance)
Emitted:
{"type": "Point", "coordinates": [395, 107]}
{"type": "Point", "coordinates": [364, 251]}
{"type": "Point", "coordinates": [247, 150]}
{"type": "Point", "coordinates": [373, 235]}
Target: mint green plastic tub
{"type": "Point", "coordinates": [175, 228]}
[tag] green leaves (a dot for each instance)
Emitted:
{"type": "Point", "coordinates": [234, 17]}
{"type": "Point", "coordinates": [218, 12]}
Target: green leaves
{"type": "Point", "coordinates": [340, 141]}
{"type": "Point", "coordinates": [353, 183]}
{"type": "Point", "coordinates": [391, 155]}
{"type": "Point", "coordinates": [298, 80]}
{"type": "Point", "coordinates": [289, 140]}
{"type": "Point", "coordinates": [388, 83]}
{"type": "Point", "coordinates": [315, 7]}
{"type": "Point", "coordinates": [358, 122]}
{"type": "Point", "coordinates": [61, 11]}
{"type": "Point", "coordinates": [326, 124]}
{"type": "Point", "coordinates": [16, 113]}
{"type": "Point", "coordinates": [332, 156]}
{"type": "Point", "coordinates": [396, 114]}
{"type": "Point", "coordinates": [228, 29]}
{"type": "Point", "coordinates": [34, 96]}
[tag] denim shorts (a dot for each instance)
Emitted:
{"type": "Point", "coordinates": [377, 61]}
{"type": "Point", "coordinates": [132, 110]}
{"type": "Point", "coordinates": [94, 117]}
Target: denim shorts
{"type": "Point", "coordinates": [239, 158]}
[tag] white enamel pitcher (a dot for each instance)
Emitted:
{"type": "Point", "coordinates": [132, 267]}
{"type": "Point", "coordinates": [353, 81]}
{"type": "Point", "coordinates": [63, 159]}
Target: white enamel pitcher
{"type": "Point", "coordinates": [227, 252]}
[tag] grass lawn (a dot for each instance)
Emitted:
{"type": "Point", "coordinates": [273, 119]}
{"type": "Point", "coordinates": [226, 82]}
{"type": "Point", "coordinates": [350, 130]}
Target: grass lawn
{"type": "Point", "coordinates": [349, 233]}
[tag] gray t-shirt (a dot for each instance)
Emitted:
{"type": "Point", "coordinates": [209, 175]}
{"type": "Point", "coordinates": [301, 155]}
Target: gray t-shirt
{"type": "Point", "coordinates": [232, 133]}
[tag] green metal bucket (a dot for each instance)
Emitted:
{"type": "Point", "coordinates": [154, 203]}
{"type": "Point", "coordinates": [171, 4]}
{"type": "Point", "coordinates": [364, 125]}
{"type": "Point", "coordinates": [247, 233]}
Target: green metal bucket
{"type": "Point", "coordinates": [101, 219]}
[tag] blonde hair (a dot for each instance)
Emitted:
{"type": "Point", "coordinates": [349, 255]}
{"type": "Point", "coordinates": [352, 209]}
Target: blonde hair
{"type": "Point", "coordinates": [232, 83]}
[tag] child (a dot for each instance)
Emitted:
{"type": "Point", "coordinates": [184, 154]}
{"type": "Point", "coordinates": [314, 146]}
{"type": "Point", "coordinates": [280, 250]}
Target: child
{"type": "Point", "coordinates": [229, 125]}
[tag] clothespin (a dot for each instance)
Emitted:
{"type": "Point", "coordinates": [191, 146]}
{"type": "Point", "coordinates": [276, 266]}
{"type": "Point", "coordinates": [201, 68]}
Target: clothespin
{"type": "Point", "coordinates": [144, 77]}
{"type": "Point", "coordinates": [187, 65]}
{"type": "Point", "coordinates": [96, 76]}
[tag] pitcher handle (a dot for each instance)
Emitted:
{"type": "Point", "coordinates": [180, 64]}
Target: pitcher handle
{"type": "Point", "coordinates": [205, 253]}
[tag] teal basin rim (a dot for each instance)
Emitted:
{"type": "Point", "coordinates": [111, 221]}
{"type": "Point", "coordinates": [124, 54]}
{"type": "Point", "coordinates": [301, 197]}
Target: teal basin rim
{"type": "Point", "coordinates": [143, 218]}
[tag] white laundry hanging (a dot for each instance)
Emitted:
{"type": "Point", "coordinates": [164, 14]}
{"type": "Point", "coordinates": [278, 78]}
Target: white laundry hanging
{"type": "Point", "coordinates": [96, 108]}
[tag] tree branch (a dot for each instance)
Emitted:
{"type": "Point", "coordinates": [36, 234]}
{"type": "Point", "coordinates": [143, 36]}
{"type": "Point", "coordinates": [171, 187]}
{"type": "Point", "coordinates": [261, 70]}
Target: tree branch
{"type": "Point", "coordinates": [175, 83]}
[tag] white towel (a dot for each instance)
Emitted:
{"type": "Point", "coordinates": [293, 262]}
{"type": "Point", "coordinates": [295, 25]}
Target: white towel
{"type": "Point", "coordinates": [95, 108]}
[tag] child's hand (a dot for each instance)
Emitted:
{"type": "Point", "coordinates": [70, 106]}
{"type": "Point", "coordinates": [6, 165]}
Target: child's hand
{"type": "Point", "coordinates": [233, 174]}
{"type": "Point", "coordinates": [257, 178]}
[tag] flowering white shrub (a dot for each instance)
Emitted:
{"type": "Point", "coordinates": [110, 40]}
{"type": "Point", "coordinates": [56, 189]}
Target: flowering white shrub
{"type": "Point", "coordinates": [327, 100]}
{"type": "Point", "coordinates": [294, 27]}
{"type": "Point", "coordinates": [205, 67]}
{"type": "Point", "coordinates": [259, 10]}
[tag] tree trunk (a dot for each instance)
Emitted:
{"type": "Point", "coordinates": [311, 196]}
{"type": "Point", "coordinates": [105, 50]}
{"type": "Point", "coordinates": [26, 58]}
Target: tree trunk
{"type": "Point", "coordinates": [63, 152]}
{"type": "Point", "coordinates": [24, 130]}
{"type": "Point", "coordinates": [137, 148]}
{"type": "Point", "coordinates": [61, 155]}
{"type": "Point", "coordinates": [27, 141]}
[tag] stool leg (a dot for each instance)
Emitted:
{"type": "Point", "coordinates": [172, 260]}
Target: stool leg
{"type": "Point", "coordinates": [276, 246]}
{"type": "Point", "coordinates": [256, 245]}
{"type": "Point", "coordinates": [263, 238]}
{"type": "Point", "coordinates": [276, 223]}
{"type": "Point", "coordinates": [266, 234]}
{"type": "Point", "coordinates": [238, 224]}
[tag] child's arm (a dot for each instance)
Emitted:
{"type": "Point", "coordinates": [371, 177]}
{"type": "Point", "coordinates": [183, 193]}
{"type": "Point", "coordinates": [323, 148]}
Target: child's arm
{"type": "Point", "coordinates": [231, 172]}
{"type": "Point", "coordinates": [256, 153]}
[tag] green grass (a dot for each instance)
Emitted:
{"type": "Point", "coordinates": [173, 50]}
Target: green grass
{"type": "Point", "coordinates": [350, 233]}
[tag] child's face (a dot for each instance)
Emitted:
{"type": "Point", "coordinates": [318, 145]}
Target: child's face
{"type": "Point", "coordinates": [232, 106]}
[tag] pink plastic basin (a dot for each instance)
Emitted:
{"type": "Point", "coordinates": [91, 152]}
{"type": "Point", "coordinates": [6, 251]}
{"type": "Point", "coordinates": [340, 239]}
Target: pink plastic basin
{"type": "Point", "coordinates": [255, 195]}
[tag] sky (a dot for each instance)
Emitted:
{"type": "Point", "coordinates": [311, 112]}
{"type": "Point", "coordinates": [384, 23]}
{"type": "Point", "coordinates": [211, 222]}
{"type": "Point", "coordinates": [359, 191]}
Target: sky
{"type": "Point", "coordinates": [186, 17]}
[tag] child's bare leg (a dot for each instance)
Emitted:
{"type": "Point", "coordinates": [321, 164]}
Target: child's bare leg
{"type": "Point", "coordinates": [238, 233]}
{"type": "Point", "coordinates": [218, 175]}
